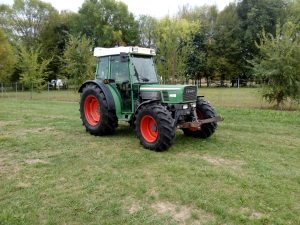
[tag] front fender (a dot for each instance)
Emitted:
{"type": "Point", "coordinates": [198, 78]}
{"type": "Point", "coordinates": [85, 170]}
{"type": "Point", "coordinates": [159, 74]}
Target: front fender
{"type": "Point", "coordinates": [144, 103]}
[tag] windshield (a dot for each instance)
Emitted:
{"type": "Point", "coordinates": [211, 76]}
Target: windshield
{"type": "Point", "coordinates": [144, 69]}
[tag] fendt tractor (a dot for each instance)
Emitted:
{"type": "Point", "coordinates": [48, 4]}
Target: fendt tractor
{"type": "Point", "coordinates": [127, 88]}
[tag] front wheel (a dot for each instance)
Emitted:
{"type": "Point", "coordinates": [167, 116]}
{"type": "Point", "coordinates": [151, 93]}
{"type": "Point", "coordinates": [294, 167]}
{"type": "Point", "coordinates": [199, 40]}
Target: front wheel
{"type": "Point", "coordinates": [155, 127]}
{"type": "Point", "coordinates": [204, 111]}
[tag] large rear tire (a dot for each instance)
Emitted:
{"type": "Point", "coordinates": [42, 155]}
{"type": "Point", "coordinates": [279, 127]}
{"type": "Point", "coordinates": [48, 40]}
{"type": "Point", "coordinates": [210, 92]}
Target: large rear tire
{"type": "Point", "coordinates": [204, 111]}
{"type": "Point", "coordinates": [155, 127]}
{"type": "Point", "coordinates": [94, 113]}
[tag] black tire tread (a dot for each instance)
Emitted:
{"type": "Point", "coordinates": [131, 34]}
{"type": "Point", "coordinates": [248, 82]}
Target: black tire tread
{"type": "Point", "coordinates": [109, 120]}
{"type": "Point", "coordinates": [165, 124]}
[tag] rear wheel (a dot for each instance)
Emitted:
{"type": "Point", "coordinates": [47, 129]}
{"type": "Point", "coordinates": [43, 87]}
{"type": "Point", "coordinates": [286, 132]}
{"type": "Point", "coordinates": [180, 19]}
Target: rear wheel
{"type": "Point", "coordinates": [154, 127]}
{"type": "Point", "coordinates": [94, 113]}
{"type": "Point", "coordinates": [204, 111]}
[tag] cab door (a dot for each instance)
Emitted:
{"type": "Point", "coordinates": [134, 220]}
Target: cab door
{"type": "Point", "coordinates": [119, 72]}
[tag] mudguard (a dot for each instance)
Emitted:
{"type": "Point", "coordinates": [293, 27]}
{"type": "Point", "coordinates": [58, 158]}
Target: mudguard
{"type": "Point", "coordinates": [104, 89]}
{"type": "Point", "coordinates": [144, 103]}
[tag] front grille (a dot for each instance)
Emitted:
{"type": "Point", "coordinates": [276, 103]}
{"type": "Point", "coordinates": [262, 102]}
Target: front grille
{"type": "Point", "coordinates": [165, 95]}
{"type": "Point", "coordinates": [190, 93]}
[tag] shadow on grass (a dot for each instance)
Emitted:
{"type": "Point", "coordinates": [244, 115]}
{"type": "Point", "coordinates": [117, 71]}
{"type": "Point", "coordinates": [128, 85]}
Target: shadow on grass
{"type": "Point", "coordinates": [181, 144]}
{"type": "Point", "coordinates": [125, 130]}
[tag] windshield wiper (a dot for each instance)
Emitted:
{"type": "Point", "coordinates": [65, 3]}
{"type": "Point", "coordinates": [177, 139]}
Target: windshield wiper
{"type": "Point", "coordinates": [144, 79]}
{"type": "Point", "coordinates": [140, 77]}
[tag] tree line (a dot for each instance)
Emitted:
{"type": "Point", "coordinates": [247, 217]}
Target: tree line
{"type": "Point", "coordinates": [247, 39]}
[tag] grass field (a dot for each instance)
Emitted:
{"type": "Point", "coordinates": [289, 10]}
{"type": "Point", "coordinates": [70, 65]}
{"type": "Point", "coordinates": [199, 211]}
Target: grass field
{"type": "Point", "coordinates": [221, 97]}
{"type": "Point", "coordinates": [53, 172]}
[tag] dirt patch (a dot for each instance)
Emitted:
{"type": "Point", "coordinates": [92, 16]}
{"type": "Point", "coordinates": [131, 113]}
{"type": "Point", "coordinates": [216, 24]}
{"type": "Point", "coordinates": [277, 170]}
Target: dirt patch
{"type": "Point", "coordinates": [56, 117]}
{"type": "Point", "coordinates": [256, 216]}
{"type": "Point", "coordinates": [2, 167]}
{"type": "Point", "coordinates": [36, 130]}
{"type": "Point", "coordinates": [153, 193]}
{"type": "Point", "coordinates": [182, 214]}
{"type": "Point", "coordinates": [7, 167]}
{"type": "Point", "coordinates": [8, 123]}
{"type": "Point", "coordinates": [253, 215]}
{"type": "Point", "coordinates": [22, 185]}
{"type": "Point", "coordinates": [35, 161]}
{"type": "Point", "coordinates": [135, 207]}
{"type": "Point", "coordinates": [131, 205]}
{"type": "Point", "coordinates": [218, 161]}
{"type": "Point", "coordinates": [24, 132]}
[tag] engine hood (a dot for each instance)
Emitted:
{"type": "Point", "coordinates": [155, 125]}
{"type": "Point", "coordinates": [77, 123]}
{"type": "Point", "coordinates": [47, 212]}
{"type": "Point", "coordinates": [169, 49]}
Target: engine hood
{"type": "Point", "coordinates": [172, 93]}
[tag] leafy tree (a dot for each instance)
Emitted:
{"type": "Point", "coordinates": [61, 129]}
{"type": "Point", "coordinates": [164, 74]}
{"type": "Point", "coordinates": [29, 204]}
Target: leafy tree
{"type": "Point", "coordinates": [33, 67]}
{"type": "Point", "coordinates": [54, 37]}
{"type": "Point", "coordinates": [201, 62]}
{"type": "Point", "coordinates": [79, 60]}
{"type": "Point", "coordinates": [228, 48]}
{"type": "Point", "coordinates": [254, 16]}
{"type": "Point", "coordinates": [293, 13]}
{"type": "Point", "coordinates": [196, 62]}
{"type": "Point", "coordinates": [107, 23]}
{"type": "Point", "coordinates": [278, 65]}
{"type": "Point", "coordinates": [171, 36]}
{"type": "Point", "coordinates": [147, 28]}
{"type": "Point", "coordinates": [7, 58]}
{"type": "Point", "coordinates": [25, 19]}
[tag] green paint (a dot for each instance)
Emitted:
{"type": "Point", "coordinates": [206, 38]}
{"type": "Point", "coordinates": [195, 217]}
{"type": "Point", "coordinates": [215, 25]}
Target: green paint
{"type": "Point", "coordinates": [172, 94]}
{"type": "Point", "coordinates": [117, 98]}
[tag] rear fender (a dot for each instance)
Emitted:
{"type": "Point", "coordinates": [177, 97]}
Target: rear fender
{"type": "Point", "coordinates": [104, 89]}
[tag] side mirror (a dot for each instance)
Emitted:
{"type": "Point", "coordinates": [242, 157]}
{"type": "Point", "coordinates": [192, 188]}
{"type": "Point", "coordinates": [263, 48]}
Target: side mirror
{"type": "Point", "coordinates": [162, 59]}
{"type": "Point", "coordinates": [124, 57]}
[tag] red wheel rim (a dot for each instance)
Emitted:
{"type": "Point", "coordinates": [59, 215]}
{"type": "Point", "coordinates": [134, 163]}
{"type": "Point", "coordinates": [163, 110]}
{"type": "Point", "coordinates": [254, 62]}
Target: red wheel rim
{"type": "Point", "coordinates": [92, 110]}
{"type": "Point", "coordinates": [149, 128]}
{"type": "Point", "coordinates": [200, 117]}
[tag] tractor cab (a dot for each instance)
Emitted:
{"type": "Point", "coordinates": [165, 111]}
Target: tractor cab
{"type": "Point", "coordinates": [125, 69]}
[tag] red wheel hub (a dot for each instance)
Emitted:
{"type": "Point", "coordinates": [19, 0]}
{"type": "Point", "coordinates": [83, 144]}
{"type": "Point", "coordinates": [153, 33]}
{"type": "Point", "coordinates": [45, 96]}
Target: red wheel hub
{"type": "Point", "coordinates": [149, 128]}
{"type": "Point", "coordinates": [92, 110]}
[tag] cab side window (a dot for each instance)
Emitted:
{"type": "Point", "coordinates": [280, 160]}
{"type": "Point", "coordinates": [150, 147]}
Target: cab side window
{"type": "Point", "coordinates": [119, 70]}
{"type": "Point", "coordinates": [103, 68]}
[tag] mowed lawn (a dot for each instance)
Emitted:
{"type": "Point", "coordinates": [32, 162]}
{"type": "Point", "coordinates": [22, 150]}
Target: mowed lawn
{"type": "Point", "coordinates": [53, 172]}
{"type": "Point", "coordinates": [220, 97]}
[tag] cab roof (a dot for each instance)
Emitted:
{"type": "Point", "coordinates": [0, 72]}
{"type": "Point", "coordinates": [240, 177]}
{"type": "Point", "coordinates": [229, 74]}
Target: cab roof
{"type": "Point", "coordinates": [99, 51]}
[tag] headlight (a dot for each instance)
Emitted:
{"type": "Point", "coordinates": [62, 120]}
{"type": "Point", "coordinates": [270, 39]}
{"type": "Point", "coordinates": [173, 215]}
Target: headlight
{"type": "Point", "coordinates": [193, 105]}
{"type": "Point", "coordinates": [185, 106]}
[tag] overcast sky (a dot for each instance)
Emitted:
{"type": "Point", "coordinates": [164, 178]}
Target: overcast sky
{"type": "Point", "coordinates": [156, 8]}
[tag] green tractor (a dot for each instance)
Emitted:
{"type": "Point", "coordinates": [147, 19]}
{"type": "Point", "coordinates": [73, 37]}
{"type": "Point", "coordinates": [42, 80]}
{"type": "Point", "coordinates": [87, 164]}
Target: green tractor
{"type": "Point", "coordinates": [127, 88]}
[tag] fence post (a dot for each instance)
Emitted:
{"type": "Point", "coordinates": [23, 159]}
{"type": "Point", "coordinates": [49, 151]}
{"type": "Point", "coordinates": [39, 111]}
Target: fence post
{"type": "Point", "coordinates": [48, 91]}
{"type": "Point", "coordinates": [238, 82]}
{"type": "Point", "coordinates": [2, 89]}
{"type": "Point", "coordinates": [31, 91]}
{"type": "Point", "coordinates": [16, 90]}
